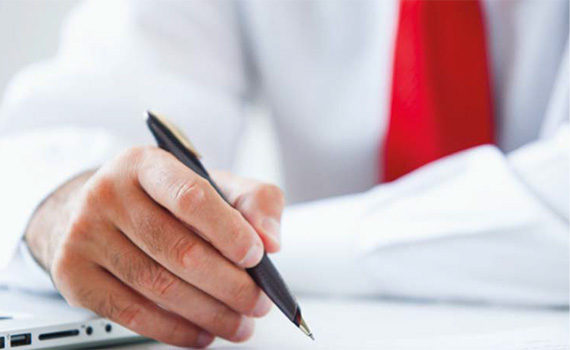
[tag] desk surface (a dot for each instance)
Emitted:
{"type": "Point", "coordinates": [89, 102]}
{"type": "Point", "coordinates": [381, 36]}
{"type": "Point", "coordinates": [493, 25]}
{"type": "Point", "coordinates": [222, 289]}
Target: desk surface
{"type": "Point", "coordinates": [372, 324]}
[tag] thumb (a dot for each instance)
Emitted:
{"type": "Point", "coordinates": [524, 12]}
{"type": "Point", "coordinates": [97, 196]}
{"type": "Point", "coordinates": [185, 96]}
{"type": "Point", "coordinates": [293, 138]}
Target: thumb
{"type": "Point", "coordinates": [260, 203]}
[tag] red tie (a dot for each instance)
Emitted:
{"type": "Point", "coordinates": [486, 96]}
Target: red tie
{"type": "Point", "coordinates": [441, 98]}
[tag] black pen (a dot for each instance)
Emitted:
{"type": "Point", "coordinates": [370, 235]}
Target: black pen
{"type": "Point", "coordinates": [264, 274]}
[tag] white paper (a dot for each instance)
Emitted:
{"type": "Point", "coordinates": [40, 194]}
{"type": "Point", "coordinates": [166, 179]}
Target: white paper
{"type": "Point", "coordinates": [397, 325]}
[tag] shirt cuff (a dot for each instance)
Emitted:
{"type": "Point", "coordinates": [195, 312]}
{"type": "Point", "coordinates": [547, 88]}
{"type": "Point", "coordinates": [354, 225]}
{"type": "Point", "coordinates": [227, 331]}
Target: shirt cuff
{"type": "Point", "coordinates": [24, 273]}
{"type": "Point", "coordinates": [462, 228]}
{"type": "Point", "coordinates": [36, 163]}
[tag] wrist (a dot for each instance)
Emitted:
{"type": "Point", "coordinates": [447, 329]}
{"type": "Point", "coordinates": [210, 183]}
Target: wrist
{"type": "Point", "coordinates": [50, 220]}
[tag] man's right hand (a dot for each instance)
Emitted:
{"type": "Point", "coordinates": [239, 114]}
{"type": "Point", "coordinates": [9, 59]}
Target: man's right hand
{"type": "Point", "coordinates": [147, 243]}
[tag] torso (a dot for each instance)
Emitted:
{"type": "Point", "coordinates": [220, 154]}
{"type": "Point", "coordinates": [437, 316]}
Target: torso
{"type": "Point", "coordinates": [325, 67]}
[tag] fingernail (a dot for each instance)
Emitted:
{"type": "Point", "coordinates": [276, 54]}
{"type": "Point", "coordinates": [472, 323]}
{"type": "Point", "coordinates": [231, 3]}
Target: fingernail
{"type": "Point", "coordinates": [262, 306]}
{"type": "Point", "coordinates": [253, 256]}
{"type": "Point", "coordinates": [245, 329]}
{"type": "Point", "coordinates": [204, 339]}
{"type": "Point", "coordinates": [272, 228]}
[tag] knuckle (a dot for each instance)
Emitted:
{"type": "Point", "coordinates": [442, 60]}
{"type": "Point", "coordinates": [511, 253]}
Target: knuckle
{"type": "Point", "coordinates": [190, 196]}
{"type": "Point", "coordinates": [144, 274]}
{"type": "Point", "coordinates": [189, 253]}
{"type": "Point", "coordinates": [161, 282]}
{"type": "Point", "coordinates": [104, 187]}
{"type": "Point", "coordinates": [127, 315]}
{"type": "Point", "coordinates": [78, 229]}
{"type": "Point", "coordinates": [108, 306]}
{"type": "Point", "coordinates": [100, 190]}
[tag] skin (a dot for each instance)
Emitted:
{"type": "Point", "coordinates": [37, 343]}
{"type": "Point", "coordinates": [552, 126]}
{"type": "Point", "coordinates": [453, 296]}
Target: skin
{"type": "Point", "coordinates": [147, 243]}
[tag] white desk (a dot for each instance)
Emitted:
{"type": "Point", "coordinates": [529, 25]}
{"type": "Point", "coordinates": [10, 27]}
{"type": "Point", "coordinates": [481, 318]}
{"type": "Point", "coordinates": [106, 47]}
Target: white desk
{"type": "Point", "coordinates": [369, 324]}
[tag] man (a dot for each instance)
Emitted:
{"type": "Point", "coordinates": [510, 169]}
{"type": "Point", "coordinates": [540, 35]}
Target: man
{"type": "Point", "coordinates": [430, 137]}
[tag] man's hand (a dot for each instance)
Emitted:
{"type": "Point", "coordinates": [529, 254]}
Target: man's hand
{"type": "Point", "coordinates": [147, 243]}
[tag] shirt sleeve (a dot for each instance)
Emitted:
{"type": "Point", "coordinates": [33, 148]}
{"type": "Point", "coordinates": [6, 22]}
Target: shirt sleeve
{"type": "Point", "coordinates": [478, 226]}
{"type": "Point", "coordinates": [79, 109]}
{"type": "Point", "coordinates": [37, 162]}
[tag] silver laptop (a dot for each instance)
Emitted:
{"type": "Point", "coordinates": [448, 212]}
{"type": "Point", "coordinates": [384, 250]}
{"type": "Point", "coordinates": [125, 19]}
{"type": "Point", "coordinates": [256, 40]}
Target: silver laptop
{"type": "Point", "coordinates": [29, 321]}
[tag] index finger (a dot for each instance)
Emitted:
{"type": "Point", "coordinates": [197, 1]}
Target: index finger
{"type": "Point", "coordinates": [194, 201]}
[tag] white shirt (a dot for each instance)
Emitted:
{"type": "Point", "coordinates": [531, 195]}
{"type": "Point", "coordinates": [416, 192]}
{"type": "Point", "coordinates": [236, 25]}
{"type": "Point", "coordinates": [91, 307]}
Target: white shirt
{"type": "Point", "coordinates": [487, 224]}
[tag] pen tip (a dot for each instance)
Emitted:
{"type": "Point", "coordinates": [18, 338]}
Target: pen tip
{"type": "Point", "coordinates": [305, 328]}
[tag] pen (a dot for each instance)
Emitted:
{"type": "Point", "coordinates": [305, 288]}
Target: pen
{"type": "Point", "coordinates": [265, 275]}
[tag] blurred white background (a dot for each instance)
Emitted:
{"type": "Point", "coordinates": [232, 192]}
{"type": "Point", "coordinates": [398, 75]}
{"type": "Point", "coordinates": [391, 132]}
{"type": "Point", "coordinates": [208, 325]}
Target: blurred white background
{"type": "Point", "coordinates": [29, 32]}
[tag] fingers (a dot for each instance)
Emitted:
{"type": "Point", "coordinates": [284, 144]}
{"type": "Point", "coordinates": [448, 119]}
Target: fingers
{"type": "Point", "coordinates": [109, 298]}
{"type": "Point", "coordinates": [189, 257]}
{"type": "Point", "coordinates": [260, 203]}
{"type": "Point", "coordinates": [195, 202]}
{"type": "Point", "coordinates": [155, 249]}
{"type": "Point", "coordinates": [137, 270]}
